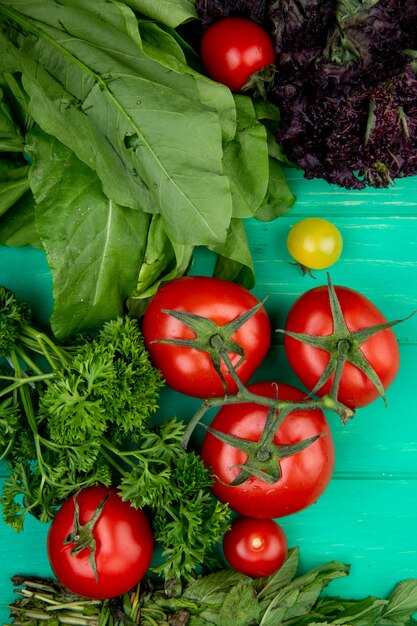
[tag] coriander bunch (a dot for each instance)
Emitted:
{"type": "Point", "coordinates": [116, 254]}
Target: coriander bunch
{"type": "Point", "coordinates": [78, 415]}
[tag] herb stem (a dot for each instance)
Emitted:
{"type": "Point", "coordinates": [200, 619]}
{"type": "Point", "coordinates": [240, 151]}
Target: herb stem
{"type": "Point", "coordinates": [41, 344]}
{"type": "Point", "coordinates": [19, 381]}
{"type": "Point", "coordinates": [106, 448]}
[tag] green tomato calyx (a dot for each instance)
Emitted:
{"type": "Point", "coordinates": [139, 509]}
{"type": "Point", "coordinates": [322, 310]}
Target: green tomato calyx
{"type": "Point", "coordinates": [264, 456]}
{"type": "Point", "coordinates": [343, 346]}
{"type": "Point", "coordinates": [211, 337]}
{"type": "Point", "coordinates": [260, 82]}
{"type": "Point", "coordinates": [82, 534]}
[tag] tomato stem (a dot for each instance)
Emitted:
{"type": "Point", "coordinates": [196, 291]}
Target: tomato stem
{"type": "Point", "coordinates": [218, 343]}
{"type": "Point", "coordinates": [82, 534]}
{"type": "Point", "coordinates": [281, 408]}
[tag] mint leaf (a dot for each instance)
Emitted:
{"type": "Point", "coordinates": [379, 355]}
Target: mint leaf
{"type": "Point", "coordinates": [268, 586]}
{"type": "Point", "coordinates": [240, 607]}
{"type": "Point", "coordinates": [213, 588]}
{"type": "Point", "coordinates": [402, 603]}
{"type": "Point", "coordinates": [299, 596]}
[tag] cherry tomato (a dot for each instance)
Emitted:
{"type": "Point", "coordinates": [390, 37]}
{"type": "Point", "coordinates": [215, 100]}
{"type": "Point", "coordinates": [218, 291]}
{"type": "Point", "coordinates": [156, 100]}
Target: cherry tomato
{"type": "Point", "coordinates": [188, 369]}
{"type": "Point", "coordinates": [315, 243]}
{"type": "Point", "coordinates": [255, 547]}
{"type": "Point", "coordinates": [233, 49]}
{"type": "Point", "coordinates": [123, 544]}
{"type": "Point", "coordinates": [311, 314]}
{"type": "Point", "coordinates": [304, 475]}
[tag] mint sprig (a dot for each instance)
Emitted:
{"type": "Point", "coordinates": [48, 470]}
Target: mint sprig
{"type": "Point", "coordinates": [222, 597]}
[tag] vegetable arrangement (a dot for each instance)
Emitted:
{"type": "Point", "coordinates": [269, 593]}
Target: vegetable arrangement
{"type": "Point", "coordinates": [268, 452]}
{"type": "Point", "coordinates": [345, 84]}
{"type": "Point", "coordinates": [100, 166]}
{"type": "Point", "coordinates": [224, 597]}
{"type": "Point", "coordinates": [81, 416]}
{"type": "Point", "coordinates": [122, 184]}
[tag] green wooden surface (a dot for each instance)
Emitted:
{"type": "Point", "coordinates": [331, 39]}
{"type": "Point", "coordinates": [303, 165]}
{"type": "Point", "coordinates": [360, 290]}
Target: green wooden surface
{"type": "Point", "coordinates": [368, 515]}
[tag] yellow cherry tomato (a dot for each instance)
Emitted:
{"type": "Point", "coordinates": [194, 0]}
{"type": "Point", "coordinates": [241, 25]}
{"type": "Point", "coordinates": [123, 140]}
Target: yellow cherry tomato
{"type": "Point", "coordinates": [315, 243]}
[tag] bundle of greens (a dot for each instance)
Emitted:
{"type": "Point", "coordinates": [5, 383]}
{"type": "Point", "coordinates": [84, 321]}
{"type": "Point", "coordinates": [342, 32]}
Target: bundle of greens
{"type": "Point", "coordinates": [345, 84]}
{"type": "Point", "coordinates": [119, 157]}
{"type": "Point", "coordinates": [222, 597]}
{"type": "Point", "coordinates": [78, 415]}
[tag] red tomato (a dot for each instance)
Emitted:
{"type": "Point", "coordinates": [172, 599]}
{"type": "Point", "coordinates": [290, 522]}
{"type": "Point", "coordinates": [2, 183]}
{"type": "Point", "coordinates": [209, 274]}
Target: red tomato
{"type": "Point", "coordinates": [233, 49]}
{"type": "Point", "coordinates": [311, 314]}
{"type": "Point", "coordinates": [124, 545]}
{"type": "Point", "coordinates": [191, 371]}
{"type": "Point", "coordinates": [255, 547]}
{"type": "Point", "coordinates": [304, 475]}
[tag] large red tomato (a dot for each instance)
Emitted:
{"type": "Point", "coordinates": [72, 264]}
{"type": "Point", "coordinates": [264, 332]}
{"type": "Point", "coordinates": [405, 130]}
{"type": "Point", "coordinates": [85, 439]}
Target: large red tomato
{"type": "Point", "coordinates": [186, 368]}
{"type": "Point", "coordinates": [234, 48]}
{"type": "Point", "coordinates": [304, 475]}
{"type": "Point", "coordinates": [311, 314]}
{"type": "Point", "coordinates": [123, 544]}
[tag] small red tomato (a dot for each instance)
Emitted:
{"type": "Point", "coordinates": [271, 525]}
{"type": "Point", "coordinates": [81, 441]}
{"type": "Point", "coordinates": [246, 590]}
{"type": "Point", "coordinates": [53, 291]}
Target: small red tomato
{"type": "Point", "coordinates": [233, 49]}
{"type": "Point", "coordinates": [255, 547]}
{"type": "Point", "coordinates": [98, 545]}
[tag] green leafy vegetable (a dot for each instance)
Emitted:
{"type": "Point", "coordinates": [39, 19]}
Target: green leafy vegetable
{"type": "Point", "coordinates": [11, 139]}
{"type": "Point", "coordinates": [80, 414]}
{"type": "Point", "coordinates": [169, 12]}
{"type": "Point", "coordinates": [146, 131]}
{"type": "Point", "coordinates": [116, 99]}
{"type": "Point", "coordinates": [246, 160]}
{"type": "Point", "coordinates": [222, 597]}
{"type": "Point", "coordinates": [86, 235]}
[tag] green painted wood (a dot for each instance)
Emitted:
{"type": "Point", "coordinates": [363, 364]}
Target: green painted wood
{"type": "Point", "coordinates": [368, 515]}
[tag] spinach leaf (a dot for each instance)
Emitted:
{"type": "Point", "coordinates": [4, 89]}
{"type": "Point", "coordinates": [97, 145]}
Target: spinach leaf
{"type": "Point", "coordinates": [246, 160]}
{"type": "Point", "coordinates": [169, 12]}
{"type": "Point", "coordinates": [163, 260]}
{"type": "Point", "coordinates": [234, 261]}
{"type": "Point", "coordinates": [279, 198]}
{"type": "Point", "coordinates": [94, 246]}
{"type": "Point", "coordinates": [11, 139]}
{"type": "Point", "coordinates": [168, 48]}
{"type": "Point", "coordinates": [17, 227]}
{"type": "Point", "coordinates": [153, 142]}
{"type": "Point", "coordinates": [168, 159]}
{"type": "Point", "coordinates": [13, 183]}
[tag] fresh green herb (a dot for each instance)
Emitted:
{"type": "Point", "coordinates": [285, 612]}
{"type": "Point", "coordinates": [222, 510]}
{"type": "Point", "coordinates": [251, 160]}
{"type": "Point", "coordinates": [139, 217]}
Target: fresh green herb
{"type": "Point", "coordinates": [140, 157]}
{"type": "Point", "coordinates": [222, 597]}
{"type": "Point", "coordinates": [80, 414]}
